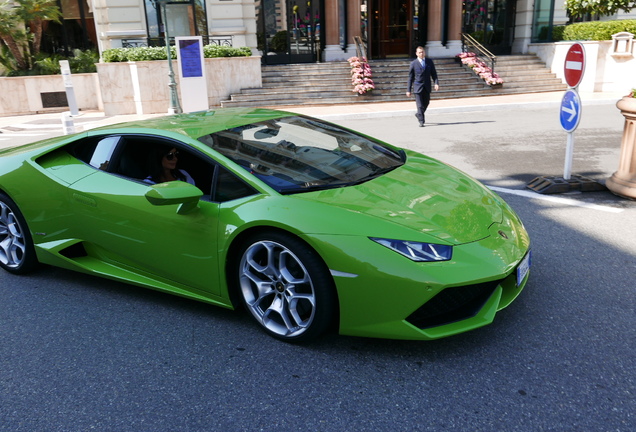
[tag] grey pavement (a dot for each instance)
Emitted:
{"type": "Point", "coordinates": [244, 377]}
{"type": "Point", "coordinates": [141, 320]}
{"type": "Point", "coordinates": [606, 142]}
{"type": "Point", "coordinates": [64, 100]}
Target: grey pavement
{"type": "Point", "coordinates": [80, 353]}
{"type": "Point", "coordinates": [91, 119]}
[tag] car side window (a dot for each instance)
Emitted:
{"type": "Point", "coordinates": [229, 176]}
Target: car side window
{"type": "Point", "coordinates": [140, 156]}
{"type": "Point", "coordinates": [104, 152]}
{"type": "Point", "coordinates": [230, 187]}
{"type": "Point", "coordinates": [95, 151]}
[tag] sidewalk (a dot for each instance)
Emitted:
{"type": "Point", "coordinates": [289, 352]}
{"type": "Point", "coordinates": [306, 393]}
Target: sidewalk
{"type": "Point", "coordinates": [91, 119]}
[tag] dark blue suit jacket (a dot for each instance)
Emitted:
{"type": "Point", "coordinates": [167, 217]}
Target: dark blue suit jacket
{"type": "Point", "coordinates": [420, 77]}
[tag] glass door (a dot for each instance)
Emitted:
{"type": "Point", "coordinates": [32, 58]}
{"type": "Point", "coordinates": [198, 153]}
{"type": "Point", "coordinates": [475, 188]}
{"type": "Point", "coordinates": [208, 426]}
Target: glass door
{"type": "Point", "coordinates": [390, 28]}
{"type": "Point", "coordinates": [289, 31]}
{"type": "Point", "coordinates": [491, 23]}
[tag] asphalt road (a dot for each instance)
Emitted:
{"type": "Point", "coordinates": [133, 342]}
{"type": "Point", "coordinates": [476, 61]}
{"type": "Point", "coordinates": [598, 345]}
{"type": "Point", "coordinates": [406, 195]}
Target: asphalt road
{"type": "Point", "coordinates": [78, 353]}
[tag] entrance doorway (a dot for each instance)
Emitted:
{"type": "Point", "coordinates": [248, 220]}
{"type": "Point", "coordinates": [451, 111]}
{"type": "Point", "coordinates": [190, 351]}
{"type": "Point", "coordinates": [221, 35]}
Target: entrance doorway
{"type": "Point", "coordinates": [288, 31]}
{"type": "Point", "coordinates": [391, 26]}
{"type": "Point", "coordinates": [491, 23]}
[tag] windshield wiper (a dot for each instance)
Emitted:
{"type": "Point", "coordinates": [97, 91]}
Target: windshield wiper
{"type": "Point", "coordinates": [308, 187]}
{"type": "Point", "coordinates": [374, 174]}
{"type": "Point", "coordinates": [312, 187]}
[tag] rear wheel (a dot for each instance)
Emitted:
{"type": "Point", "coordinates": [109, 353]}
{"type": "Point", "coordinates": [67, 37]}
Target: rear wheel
{"type": "Point", "coordinates": [17, 254]}
{"type": "Point", "coordinates": [286, 286]}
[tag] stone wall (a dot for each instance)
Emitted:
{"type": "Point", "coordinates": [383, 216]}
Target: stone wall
{"type": "Point", "coordinates": [46, 93]}
{"type": "Point", "coordinates": [609, 67]}
{"type": "Point", "coordinates": [142, 87]}
{"type": "Point", "coordinates": [125, 88]}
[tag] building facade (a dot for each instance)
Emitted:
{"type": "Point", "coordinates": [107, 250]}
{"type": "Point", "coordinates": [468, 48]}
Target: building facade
{"type": "Point", "coordinates": [297, 31]}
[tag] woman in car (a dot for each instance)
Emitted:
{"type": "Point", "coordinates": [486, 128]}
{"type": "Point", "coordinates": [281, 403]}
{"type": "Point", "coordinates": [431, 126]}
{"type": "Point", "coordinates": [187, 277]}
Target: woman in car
{"type": "Point", "coordinates": [165, 167]}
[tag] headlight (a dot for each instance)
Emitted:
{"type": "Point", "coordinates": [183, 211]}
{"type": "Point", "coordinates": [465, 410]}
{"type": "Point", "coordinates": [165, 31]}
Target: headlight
{"type": "Point", "coordinates": [420, 252]}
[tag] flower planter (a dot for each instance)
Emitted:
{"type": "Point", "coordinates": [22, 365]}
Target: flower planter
{"type": "Point", "coordinates": [623, 181]}
{"type": "Point", "coordinates": [481, 69]}
{"type": "Point", "coordinates": [361, 75]}
{"type": "Point", "coordinates": [142, 87]}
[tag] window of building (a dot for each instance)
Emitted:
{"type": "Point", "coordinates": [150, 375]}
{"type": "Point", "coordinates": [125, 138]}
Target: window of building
{"type": "Point", "coordinates": [184, 18]}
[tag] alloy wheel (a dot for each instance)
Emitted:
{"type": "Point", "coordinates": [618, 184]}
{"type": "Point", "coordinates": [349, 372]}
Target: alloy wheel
{"type": "Point", "coordinates": [277, 288]}
{"type": "Point", "coordinates": [12, 240]}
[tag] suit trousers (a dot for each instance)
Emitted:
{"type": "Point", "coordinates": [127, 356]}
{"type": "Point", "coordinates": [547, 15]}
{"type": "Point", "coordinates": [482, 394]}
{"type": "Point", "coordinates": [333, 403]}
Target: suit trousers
{"type": "Point", "coordinates": [422, 100]}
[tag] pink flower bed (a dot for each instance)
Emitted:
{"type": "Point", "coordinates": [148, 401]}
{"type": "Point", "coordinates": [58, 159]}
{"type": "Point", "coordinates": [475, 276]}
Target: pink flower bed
{"type": "Point", "coordinates": [361, 75]}
{"type": "Point", "coordinates": [480, 68]}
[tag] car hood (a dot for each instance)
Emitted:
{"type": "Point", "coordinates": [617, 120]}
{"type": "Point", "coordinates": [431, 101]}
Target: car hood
{"type": "Point", "coordinates": [424, 195]}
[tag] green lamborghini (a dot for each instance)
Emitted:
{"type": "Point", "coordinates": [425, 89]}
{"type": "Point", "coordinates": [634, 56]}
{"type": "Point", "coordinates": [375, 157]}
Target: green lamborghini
{"type": "Point", "coordinates": [307, 225]}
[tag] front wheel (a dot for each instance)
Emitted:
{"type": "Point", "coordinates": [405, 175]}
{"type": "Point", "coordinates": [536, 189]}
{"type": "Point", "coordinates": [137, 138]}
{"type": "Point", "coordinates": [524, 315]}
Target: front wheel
{"type": "Point", "coordinates": [286, 286]}
{"type": "Point", "coordinates": [17, 254]}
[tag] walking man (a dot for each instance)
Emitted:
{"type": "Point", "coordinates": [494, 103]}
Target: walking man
{"type": "Point", "coordinates": [421, 72]}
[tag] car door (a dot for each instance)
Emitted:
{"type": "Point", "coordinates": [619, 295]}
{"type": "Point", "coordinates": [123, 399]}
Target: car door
{"type": "Point", "coordinates": [120, 226]}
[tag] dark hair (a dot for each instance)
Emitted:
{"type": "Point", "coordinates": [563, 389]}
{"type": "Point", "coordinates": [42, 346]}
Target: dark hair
{"type": "Point", "coordinates": [157, 168]}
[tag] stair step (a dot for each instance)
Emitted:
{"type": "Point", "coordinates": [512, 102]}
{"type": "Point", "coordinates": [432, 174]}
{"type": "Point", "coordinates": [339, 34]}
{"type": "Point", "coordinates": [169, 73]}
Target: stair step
{"type": "Point", "coordinates": [330, 83]}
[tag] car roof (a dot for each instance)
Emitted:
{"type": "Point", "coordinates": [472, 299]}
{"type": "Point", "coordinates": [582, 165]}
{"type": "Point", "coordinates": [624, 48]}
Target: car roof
{"type": "Point", "coordinates": [197, 124]}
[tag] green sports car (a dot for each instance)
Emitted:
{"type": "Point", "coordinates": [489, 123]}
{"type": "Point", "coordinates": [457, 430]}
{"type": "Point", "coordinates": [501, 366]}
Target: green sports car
{"type": "Point", "coordinates": [308, 225]}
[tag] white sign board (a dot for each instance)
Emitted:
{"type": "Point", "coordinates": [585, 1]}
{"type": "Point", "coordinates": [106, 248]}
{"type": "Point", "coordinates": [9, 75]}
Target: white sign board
{"type": "Point", "coordinates": [192, 84]}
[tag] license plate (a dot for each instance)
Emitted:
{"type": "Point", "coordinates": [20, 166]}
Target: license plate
{"type": "Point", "coordinates": [523, 268]}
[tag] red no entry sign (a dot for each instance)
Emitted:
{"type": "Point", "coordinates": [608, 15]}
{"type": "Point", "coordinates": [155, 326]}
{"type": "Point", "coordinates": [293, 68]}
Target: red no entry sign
{"type": "Point", "coordinates": [574, 65]}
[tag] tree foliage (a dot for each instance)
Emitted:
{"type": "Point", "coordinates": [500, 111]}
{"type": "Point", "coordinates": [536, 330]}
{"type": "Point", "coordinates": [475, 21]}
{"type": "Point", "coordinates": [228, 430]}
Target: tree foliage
{"type": "Point", "coordinates": [21, 28]}
{"type": "Point", "coordinates": [600, 7]}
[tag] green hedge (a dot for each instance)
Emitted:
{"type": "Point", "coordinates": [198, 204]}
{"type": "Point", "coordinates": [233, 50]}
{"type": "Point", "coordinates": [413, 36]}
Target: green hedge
{"type": "Point", "coordinates": [598, 30]}
{"type": "Point", "coordinates": [115, 55]}
{"type": "Point", "coordinates": [49, 64]}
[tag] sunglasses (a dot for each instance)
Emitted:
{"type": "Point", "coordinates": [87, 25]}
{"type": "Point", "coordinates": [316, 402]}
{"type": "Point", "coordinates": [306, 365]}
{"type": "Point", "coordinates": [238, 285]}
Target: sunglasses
{"type": "Point", "coordinates": [171, 155]}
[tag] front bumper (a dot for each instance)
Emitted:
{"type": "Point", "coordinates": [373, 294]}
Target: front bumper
{"type": "Point", "coordinates": [383, 294]}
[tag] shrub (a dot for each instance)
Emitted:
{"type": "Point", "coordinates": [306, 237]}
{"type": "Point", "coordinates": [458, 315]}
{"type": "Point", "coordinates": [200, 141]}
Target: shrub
{"type": "Point", "coordinates": [556, 36]}
{"type": "Point", "coordinates": [115, 55]}
{"type": "Point", "coordinates": [279, 42]}
{"type": "Point", "coordinates": [49, 64]}
{"type": "Point", "coordinates": [557, 33]}
{"type": "Point", "coordinates": [83, 61]}
{"type": "Point", "coordinates": [598, 30]}
{"type": "Point", "coordinates": [213, 51]}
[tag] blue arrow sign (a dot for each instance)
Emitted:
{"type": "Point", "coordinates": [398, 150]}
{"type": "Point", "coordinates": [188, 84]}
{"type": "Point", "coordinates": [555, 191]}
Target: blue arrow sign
{"type": "Point", "coordinates": [570, 113]}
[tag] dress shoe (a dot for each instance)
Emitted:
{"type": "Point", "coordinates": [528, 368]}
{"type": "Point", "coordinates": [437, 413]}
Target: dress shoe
{"type": "Point", "coordinates": [421, 124]}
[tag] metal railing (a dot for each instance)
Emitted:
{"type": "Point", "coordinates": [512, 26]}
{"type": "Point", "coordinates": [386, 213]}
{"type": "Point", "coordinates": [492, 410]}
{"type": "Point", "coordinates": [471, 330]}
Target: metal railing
{"type": "Point", "coordinates": [470, 44]}
{"type": "Point", "coordinates": [361, 49]}
{"type": "Point", "coordinates": [145, 42]}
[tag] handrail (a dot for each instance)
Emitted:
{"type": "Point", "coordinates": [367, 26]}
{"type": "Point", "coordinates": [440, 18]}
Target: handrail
{"type": "Point", "coordinates": [152, 42]}
{"type": "Point", "coordinates": [470, 44]}
{"type": "Point", "coordinates": [361, 51]}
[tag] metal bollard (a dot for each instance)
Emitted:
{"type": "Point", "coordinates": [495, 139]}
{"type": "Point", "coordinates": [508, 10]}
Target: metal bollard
{"type": "Point", "coordinates": [68, 126]}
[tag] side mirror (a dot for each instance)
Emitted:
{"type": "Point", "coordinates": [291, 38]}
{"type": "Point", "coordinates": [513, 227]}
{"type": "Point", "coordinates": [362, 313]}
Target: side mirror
{"type": "Point", "coordinates": [176, 192]}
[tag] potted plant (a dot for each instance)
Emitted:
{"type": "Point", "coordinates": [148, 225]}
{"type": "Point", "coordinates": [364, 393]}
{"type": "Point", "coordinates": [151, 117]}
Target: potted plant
{"type": "Point", "coordinates": [623, 181]}
{"type": "Point", "coordinates": [361, 75]}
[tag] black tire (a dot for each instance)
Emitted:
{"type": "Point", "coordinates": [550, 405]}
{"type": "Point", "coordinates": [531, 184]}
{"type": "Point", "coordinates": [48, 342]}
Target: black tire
{"type": "Point", "coordinates": [296, 301]}
{"type": "Point", "coordinates": [17, 254]}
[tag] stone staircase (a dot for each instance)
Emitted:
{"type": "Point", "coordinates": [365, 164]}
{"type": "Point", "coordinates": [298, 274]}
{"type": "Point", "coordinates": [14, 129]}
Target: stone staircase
{"type": "Point", "coordinates": [330, 83]}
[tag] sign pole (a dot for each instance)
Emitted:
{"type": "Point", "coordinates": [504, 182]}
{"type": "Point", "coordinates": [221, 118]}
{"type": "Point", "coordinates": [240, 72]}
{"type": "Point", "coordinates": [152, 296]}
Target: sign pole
{"type": "Point", "coordinates": [574, 68]}
{"type": "Point", "coordinates": [175, 106]}
{"type": "Point", "coordinates": [569, 150]}
{"type": "Point", "coordinates": [569, 115]}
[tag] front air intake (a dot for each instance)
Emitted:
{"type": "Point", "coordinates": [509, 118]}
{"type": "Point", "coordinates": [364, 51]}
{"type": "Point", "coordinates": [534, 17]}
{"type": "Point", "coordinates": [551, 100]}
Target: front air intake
{"type": "Point", "coordinates": [452, 305]}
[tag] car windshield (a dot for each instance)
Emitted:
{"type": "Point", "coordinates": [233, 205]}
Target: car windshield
{"type": "Point", "coordinates": [298, 154]}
